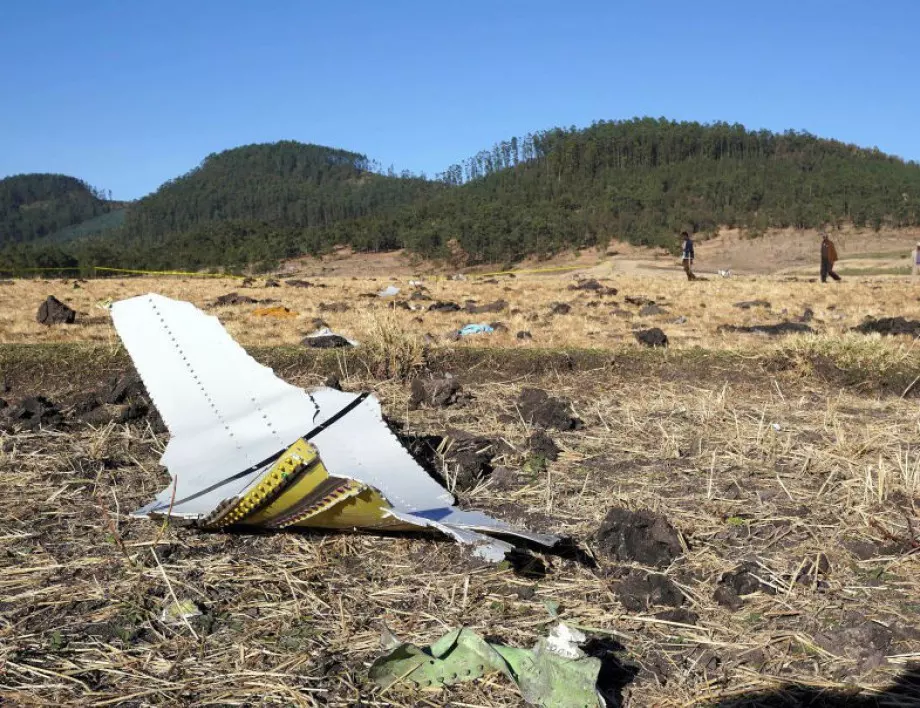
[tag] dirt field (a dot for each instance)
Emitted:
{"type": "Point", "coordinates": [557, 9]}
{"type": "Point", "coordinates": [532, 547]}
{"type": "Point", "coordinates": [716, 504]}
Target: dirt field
{"type": "Point", "coordinates": [788, 467]}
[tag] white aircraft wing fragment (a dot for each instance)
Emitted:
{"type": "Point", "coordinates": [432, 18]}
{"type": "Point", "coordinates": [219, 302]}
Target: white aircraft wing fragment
{"type": "Point", "coordinates": [231, 418]}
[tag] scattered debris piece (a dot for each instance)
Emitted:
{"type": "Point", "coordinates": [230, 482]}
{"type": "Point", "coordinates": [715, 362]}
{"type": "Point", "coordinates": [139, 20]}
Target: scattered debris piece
{"type": "Point", "coordinates": [419, 294]}
{"type": "Point", "coordinates": [524, 334]}
{"type": "Point", "coordinates": [724, 273]}
{"type": "Point", "coordinates": [638, 301]}
{"type": "Point", "coordinates": [772, 330]}
{"type": "Point", "coordinates": [556, 673]}
{"type": "Point", "coordinates": [295, 283]}
{"type": "Point", "coordinates": [638, 536]}
{"type": "Point", "coordinates": [497, 306]}
{"type": "Point", "coordinates": [225, 411]}
{"type": "Point", "coordinates": [333, 307]}
{"type": "Point", "coordinates": [890, 326]}
{"type": "Point", "coordinates": [435, 392]}
{"type": "Point", "coordinates": [679, 320]}
{"type": "Point", "coordinates": [560, 308]}
{"type": "Point", "coordinates": [653, 337]}
{"type": "Point", "coordinates": [53, 311]}
{"type": "Point", "coordinates": [388, 291]}
{"type": "Point", "coordinates": [278, 313]}
{"type": "Point", "coordinates": [537, 407]}
{"type": "Point", "coordinates": [639, 591]}
{"type": "Point", "coordinates": [179, 612]}
{"type": "Point", "coordinates": [444, 307]}
{"type": "Point", "coordinates": [234, 299]}
{"type": "Point", "coordinates": [749, 304]}
{"type": "Point", "coordinates": [470, 329]}
{"type": "Point", "coordinates": [325, 338]}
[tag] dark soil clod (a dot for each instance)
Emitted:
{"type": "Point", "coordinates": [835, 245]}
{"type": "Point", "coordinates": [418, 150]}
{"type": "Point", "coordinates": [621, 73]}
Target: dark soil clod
{"type": "Point", "coordinates": [744, 581]}
{"type": "Point", "coordinates": [640, 590]}
{"type": "Point", "coordinates": [543, 445]}
{"type": "Point", "coordinates": [638, 301]}
{"type": "Point", "coordinates": [32, 413]}
{"type": "Point", "coordinates": [234, 299]}
{"type": "Point", "coordinates": [772, 330]}
{"type": "Point", "coordinates": [444, 307]}
{"type": "Point", "coordinates": [890, 326]}
{"type": "Point", "coordinates": [53, 311]}
{"type": "Point", "coordinates": [434, 392]}
{"type": "Point", "coordinates": [652, 309]}
{"type": "Point", "coordinates": [653, 337]}
{"type": "Point", "coordinates": [638, 536]}
{"type": "Point", "coordinates": [325, 341]}
{"type": "Point", "coordinates": [497, 306]}
{"type": "Point", "coordinates": [560, 308]}
{"type": "Point", "coordinates": [537, 407]}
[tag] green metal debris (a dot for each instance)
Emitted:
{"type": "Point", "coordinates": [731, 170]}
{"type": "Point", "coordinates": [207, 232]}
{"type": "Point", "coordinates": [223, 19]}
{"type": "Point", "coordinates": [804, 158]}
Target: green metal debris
{"type": "Point", "coordinates": [554, 674]}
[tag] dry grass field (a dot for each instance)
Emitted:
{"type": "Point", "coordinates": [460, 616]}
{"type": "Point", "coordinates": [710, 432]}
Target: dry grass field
{"type": "Point", "coordinates": [789, 466]}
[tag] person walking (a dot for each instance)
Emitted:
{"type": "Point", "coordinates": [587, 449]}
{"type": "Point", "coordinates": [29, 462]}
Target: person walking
{"type": "Point", "coordinates": [828, 258]}
{"type": "Point", "coordinates": [687, 255]}
{"type": "Point", "coordinates": [916, 259]}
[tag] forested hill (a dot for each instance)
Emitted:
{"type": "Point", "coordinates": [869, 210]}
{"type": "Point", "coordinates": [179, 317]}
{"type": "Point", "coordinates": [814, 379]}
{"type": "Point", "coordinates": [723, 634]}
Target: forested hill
{"type": "Point", "coordinates": [34, 206]}
{"type": "Point", "coordinates": [644, 181]}
{"type": "Point", "coordinates": [287, 183]}
{"type": "Point", "coordinates": [641, 180]}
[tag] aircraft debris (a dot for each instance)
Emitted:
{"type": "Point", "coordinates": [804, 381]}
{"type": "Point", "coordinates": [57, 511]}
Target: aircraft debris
{"type": "Point", "coordinates": [248, 449]}
{"type": "Point", "coordinates": [554, 674]}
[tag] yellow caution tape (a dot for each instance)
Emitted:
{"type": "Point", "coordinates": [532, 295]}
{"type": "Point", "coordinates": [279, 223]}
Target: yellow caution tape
{"type": "Point", "coordinates": [168, 272]}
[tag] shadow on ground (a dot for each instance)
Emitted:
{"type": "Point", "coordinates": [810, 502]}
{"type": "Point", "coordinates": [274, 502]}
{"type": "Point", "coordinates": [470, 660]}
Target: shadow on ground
{"type": "Point", "coordinates": [903, 693]}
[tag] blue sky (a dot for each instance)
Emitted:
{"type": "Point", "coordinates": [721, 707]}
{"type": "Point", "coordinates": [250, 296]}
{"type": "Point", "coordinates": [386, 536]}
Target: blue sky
{"type": "Point", "coordinates": [127, 94]}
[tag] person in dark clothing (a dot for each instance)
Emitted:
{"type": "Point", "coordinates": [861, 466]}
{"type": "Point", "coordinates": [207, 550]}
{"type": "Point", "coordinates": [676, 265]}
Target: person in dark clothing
{"type": "Point", "coordinates": [687, 255]}
{"type": "Point", "coordinates": [828, 258]}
